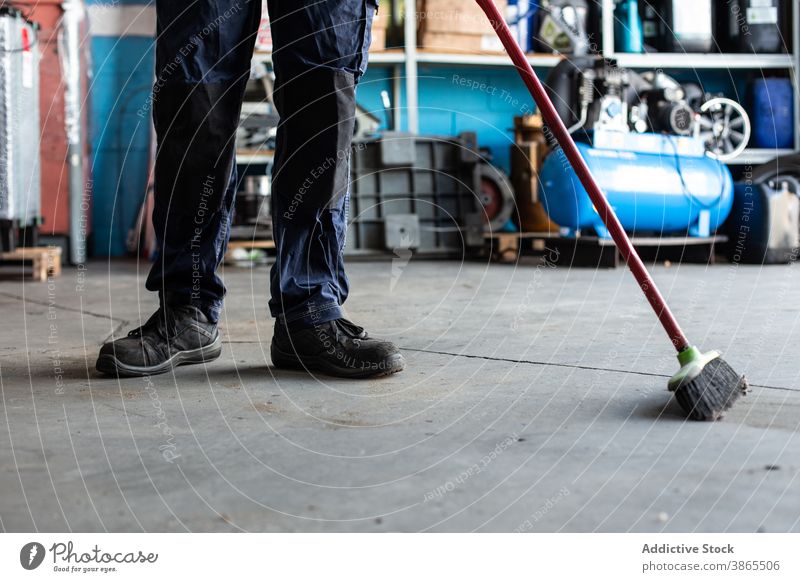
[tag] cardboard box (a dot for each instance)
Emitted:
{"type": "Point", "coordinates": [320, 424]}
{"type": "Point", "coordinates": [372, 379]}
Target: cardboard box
{"type": "Point", "coordinates": [447, 26]}
{"type": "Point", "coordinates": [378, 39]}
{"type": "Point", "coordinates": [460, 17]}
{"type": "Point", "coordinates": [381, 19]}
{"type": "Point", "coordinates": [460, 43]}
{"type": "Point", "coordinates": [380, 26]}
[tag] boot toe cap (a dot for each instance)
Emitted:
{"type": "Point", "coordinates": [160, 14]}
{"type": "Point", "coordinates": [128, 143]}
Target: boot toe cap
{"type": "Point", "coordinates": [127, 350]}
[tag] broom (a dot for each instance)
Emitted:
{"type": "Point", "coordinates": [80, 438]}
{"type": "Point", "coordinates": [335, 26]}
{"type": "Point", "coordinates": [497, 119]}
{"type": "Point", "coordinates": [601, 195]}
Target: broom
{"type": "Point", "coordinates": [706, 385]}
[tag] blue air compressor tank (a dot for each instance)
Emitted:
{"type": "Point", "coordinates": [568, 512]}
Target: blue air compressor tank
{"type": "Point", "coordinates": [657, 184]}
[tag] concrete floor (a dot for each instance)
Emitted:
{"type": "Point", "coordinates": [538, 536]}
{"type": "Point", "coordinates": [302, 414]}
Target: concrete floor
{"type": "Point", "coordinates": [534, 400]}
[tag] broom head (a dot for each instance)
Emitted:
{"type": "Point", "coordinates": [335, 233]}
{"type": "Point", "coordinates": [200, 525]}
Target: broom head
{"type": "Point", "coordinates": [706, 385]}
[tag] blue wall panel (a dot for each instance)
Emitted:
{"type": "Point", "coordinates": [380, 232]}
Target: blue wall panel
{"type": "Point", "coordinates": [368, 94]}
{"type": "Point", "coordinates": [120, 130]}
{"type": "Point", "coordinates": [453, 100]}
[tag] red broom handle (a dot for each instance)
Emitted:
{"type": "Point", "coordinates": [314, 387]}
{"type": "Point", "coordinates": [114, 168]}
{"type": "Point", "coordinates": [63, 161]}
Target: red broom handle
{"type": "Point", "coordinates": [564, 139]}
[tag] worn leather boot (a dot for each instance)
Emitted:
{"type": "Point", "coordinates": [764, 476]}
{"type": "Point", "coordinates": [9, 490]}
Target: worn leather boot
{"type": "Point", "coordinates": [173, 336]}
{"type": "Point", "coordinates": [336, 348]}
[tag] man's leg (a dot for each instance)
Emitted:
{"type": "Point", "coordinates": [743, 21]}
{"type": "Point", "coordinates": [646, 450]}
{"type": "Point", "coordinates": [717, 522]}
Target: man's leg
{"type": "Point", "coordinates": [203, 57]}
{"type": "Point", "coordinates": [320, 53]}
{"type": "Point", "coordinates": [203, 53]}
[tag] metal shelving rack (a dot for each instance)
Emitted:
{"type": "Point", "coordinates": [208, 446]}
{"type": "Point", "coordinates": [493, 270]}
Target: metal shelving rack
{"type": "Point", "coordinates": [405, 63]}
{"type": "Point", "coordinates": [731, 62]}
{"type": "Point", "coordinates": [411, 57]}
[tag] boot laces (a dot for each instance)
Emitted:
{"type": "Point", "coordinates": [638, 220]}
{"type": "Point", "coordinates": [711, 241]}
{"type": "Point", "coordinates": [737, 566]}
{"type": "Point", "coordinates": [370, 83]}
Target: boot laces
{"type": "Point", "coordinates": [345, 330]}
{"type": "Point", "coordinates": [162, 323]}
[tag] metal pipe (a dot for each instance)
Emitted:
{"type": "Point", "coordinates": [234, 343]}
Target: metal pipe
{"type": "Point", "coordinates": [74, 14]}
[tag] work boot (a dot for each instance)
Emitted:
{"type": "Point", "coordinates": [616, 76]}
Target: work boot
{"type": "Point", "coordinates": [173, 336]}
{"type": "Point", "coordinates": [337, 348]}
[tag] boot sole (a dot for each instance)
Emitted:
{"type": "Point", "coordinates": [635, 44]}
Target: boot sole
{"type": "Point", "coordinates": [109, 364]}
{"type": "Point", "coordinates": [291, 361]}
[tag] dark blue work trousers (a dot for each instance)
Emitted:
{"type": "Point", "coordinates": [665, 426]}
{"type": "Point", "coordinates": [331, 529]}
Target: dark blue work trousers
{"type": "Point", "coordinates": [203, 54]}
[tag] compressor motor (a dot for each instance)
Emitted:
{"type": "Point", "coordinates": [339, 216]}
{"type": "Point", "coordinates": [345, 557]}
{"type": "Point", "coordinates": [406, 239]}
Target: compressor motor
{"type": "Point", "coordinates": [593, 93]}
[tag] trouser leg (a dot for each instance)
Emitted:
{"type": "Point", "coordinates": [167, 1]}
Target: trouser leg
{"type": "Point", "coordinates": [203, 53]}
{"type": "Point", "coordinates": [320, 52]}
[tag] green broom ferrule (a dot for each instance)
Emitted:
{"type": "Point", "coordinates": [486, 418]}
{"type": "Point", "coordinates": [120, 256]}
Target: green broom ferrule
{"type": "Point", "coordinates": [692, 362]}
{"type": "Point", "coordinates": [689, 355]}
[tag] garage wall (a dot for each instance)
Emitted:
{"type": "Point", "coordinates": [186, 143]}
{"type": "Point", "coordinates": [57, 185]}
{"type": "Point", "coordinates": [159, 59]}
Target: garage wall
{"type": "Point", "coordinates": [122, 47]}
{"type": "Point", "coordinates": [474, 99]}
{"type": "Point", "coordinates": [123, 60]}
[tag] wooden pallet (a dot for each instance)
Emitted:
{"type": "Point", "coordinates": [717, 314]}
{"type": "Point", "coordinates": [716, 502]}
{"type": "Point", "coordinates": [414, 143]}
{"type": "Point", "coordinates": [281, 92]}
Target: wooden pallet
{"type": "Point", "coordinates": [46, 261]}
{"type": "Point", "coordinates": [592, 251]}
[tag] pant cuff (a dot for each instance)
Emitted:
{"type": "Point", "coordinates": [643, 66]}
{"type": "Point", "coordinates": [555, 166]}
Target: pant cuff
{"type": "Point", "coordinates": [310, 316]}
{"type": "Point", "coordinates": [210, 308]}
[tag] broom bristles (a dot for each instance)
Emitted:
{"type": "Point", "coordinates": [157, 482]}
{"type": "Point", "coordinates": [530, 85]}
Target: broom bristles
{"type": "Point", "coordinates": [712, 392]}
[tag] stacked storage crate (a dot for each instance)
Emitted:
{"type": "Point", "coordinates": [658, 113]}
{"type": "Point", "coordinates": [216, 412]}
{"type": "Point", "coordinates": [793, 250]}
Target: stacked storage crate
{"type": "Point", "coordinates": [415, 192]}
